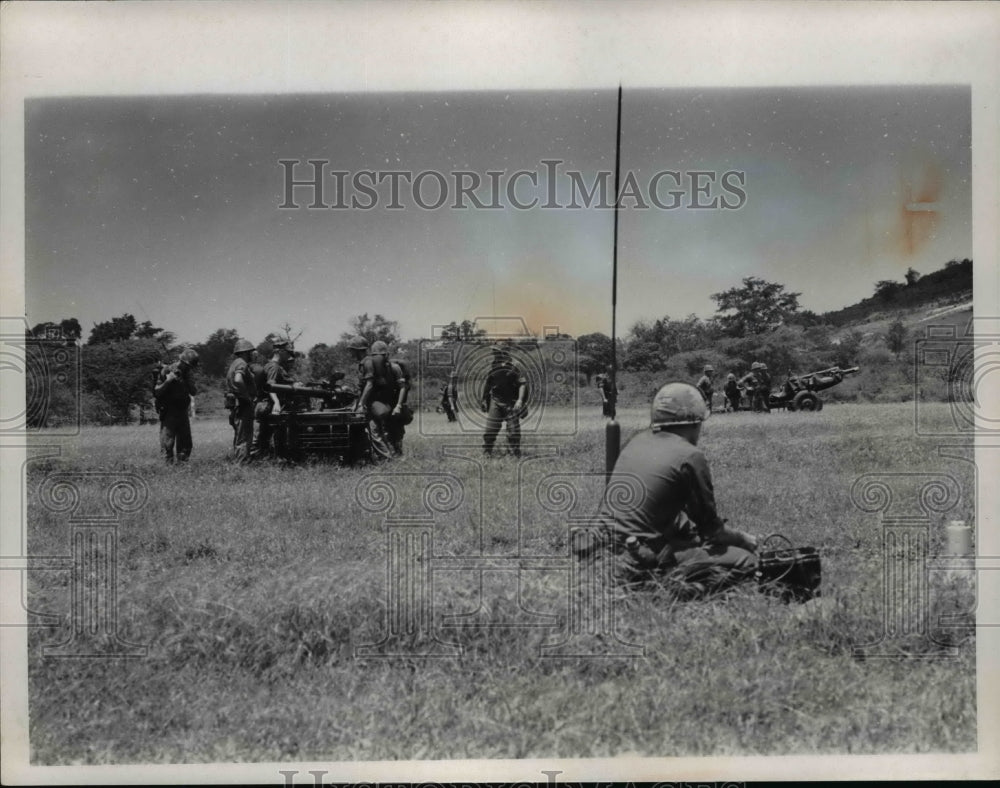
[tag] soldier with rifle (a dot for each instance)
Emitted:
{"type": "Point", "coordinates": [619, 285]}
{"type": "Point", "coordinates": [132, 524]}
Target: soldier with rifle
{"type": "Point", "coordinates": [173, 394]}
{"type": "Point", "coordinates": [242, 389]}
{"type": "Point", "coordinates": [673, 536]}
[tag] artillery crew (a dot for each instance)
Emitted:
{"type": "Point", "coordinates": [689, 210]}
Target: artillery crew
{"type": "Point", "coordinates": [383, 390]}
{"type": "Point", "coordinates": [757, 384]}
{"type": "Point", "coordinates": [242, 388]}
{"type": "Point", "coordinates": [173, 394]}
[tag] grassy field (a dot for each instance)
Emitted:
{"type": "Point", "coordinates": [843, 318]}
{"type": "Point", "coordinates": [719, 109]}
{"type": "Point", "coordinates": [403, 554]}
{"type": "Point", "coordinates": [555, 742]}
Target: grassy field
{"type": "Point", "coordinates": [252, 587]}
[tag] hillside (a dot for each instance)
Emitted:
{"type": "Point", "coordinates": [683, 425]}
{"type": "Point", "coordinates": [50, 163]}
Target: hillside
{"type": "Point", "coordinates": [947, 287]}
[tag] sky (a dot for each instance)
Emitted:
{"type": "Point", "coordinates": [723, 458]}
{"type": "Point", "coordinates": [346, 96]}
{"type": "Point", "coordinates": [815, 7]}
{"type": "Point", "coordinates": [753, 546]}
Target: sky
{"type": "Point", "coordinates": [168, 207]}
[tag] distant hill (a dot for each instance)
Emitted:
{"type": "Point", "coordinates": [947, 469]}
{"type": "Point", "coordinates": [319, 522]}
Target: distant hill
{"type": "Point", "coordinates": [947, 287]}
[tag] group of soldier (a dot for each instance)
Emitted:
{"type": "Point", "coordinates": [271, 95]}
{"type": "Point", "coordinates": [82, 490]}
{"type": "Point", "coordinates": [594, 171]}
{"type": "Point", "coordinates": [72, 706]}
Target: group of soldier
{"type": "Point", "coordinates": [675, 538]}
{"type": "Point", "coordinates": [255, 392]}
{"type": "Point", "coordinates": [756, 385]}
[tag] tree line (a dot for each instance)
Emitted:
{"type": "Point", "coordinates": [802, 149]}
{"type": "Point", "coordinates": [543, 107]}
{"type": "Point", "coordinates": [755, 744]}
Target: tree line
{"type": "Point", "coordinates": [755, 320]}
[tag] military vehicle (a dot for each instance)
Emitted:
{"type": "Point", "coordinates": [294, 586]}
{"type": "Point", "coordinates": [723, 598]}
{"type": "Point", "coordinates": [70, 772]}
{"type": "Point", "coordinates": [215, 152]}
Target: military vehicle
{"type": "Point", "coordinates": [333, 430]}
{"type": "Point", "coordinates": [799, 391]}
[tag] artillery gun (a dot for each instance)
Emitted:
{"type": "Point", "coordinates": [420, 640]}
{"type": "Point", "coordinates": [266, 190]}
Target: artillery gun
{"type": "Point", "coordinates": [333, 430]}
{"type": "Point", "coordinates": [799, 391]}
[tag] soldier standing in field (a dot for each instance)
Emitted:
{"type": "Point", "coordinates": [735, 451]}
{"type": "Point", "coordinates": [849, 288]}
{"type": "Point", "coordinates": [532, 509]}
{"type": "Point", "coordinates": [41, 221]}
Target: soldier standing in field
{"type": "Point", "coordinates": [173, 393]}
{"type": "Point", "coordinates": [609, 396]}
{"type": "Point", "coordinates": [503, 400]}
{"type": "Point", "coordinates": [763, 388]}
{"type": "Point", "coordinates": [674, 536]}
{"type": "Point", "coordinates": [397, 391]}
{"type": "Point", "coordinates": [379, 396]}
{"type": "Point", "coordinates": [749, 384]}
{"type": "Point", "coordinates": [269, 402]}
{"type": "Point", "coordinates": [705, 385]}
{"type": "Point", "coordinates": [732, 393]}
{"type": "Point", "coordinates": [241, 386]}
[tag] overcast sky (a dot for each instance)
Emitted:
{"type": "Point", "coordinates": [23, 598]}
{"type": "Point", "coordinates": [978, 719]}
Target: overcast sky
{"type": "Point", "coordinates": [167, 207]}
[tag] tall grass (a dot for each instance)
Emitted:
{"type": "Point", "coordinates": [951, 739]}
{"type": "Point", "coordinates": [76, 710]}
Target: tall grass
{"type": "Point", "coordinates": [252, 587]}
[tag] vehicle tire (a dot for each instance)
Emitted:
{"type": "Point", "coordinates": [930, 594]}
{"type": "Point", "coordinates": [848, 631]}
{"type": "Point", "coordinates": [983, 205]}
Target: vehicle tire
{"type": "Point", "coordinates": [806, 400]}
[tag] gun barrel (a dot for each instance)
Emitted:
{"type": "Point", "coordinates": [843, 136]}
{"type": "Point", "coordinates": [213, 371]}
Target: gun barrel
{"type": "Point", "coordinates": [299, 391]}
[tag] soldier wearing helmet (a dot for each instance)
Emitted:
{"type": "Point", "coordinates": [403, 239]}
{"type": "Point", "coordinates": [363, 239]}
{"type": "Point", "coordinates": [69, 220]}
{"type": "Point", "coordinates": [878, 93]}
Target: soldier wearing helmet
{"type": "Point", "coordinates": [503, 399]}
{"type": "Point", "coordinates": [242, 388]}
{"type": "Point", "coordinates": [763, 388]}
{"type": "Point", "coordinates": [383, 388]}
{"type": "Point", "coordinates": [750, 384]}
{"type": "Point", "coordinates": [270, 402]}
{"type": "Point", "coordinates": [705, 385]}
{"type": "Point", "coordinates": [174, 393]}
{"type": "Point", "coordinates": [673, 535]}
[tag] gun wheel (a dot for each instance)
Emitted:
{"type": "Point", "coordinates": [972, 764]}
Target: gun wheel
{"type": "Point", "coordinates": [806, 400]}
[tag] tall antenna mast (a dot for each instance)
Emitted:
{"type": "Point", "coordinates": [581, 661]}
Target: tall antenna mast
{"type": "Point", "coordinates": [612, 432]}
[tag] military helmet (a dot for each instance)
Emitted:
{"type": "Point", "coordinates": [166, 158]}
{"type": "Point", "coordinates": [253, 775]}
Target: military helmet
{"type": "Point", "coordinates": [677, 403]}
{"type": "Point", "coordinates": [242, 346]}
{"type": "Point", "coordinates": [756, 365]}
{"type": "Point", "coordinates": [730, 376]}
{"type": "Point", "coordinates": [709, 368]}
{"type": "Point", "coordinates": [279, 343]}
{"type": "Point", "coordinates": [379, 348]}
{"type": "Point", "coordinates": [189, 357]}
{"type": "Point", "coordinates": [762, 365]}
{"type": "Point", "coordinates": [357, 342]}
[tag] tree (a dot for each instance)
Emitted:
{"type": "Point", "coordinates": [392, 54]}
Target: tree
{"type": "Point", "coordinates": [895, 338]}
{"type": "Point", "coordinates": [756, 307]}
{"type": "Point", "coordinates": [120, 329]}
{"type": "Point", "coordinates": [911, 277]}
{"type": "Point", "coordinates": [120, 374]}
{"type": "Point", "coordinates": [215, 352]}
{"type": "Point", "coordinates": [68, 328]}
{"type": "Point", "coordinates": [461, 332]}
{"type": "Point", "coordinates": [373, 329]}
{"type": "Point", "coordinates": [593, 354]}
{"type": "Point", "coordinates": [886, 289]}
{"type": "Point", "coordinates": [325, 359]}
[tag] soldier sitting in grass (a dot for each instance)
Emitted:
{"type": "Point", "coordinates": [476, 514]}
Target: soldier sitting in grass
{"type": "Point", "coordinates": [674, 537]}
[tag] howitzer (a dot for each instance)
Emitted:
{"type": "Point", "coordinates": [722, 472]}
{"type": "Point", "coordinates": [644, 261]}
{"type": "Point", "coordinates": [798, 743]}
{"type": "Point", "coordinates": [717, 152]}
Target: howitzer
{"type": "Point", "coordinates": [799, 391]}
{"type": "Point", "coordinates": [333, 397]}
